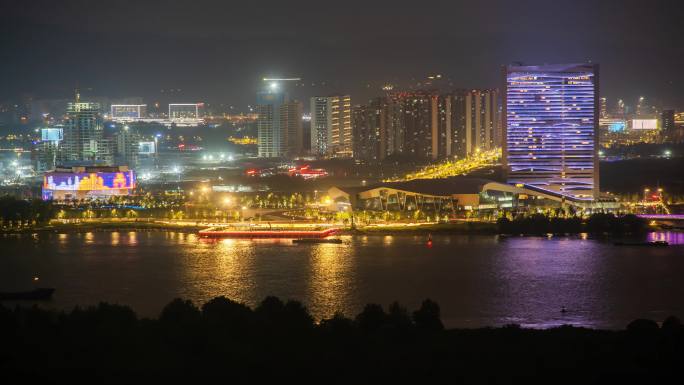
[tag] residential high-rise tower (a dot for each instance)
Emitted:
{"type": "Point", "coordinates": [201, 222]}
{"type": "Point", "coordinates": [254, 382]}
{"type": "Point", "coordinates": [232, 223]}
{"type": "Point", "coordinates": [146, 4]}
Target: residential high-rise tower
{"type": "Point", "coordinates": [331, 126]}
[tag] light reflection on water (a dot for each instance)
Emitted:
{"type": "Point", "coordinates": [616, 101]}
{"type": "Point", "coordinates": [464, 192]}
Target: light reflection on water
{"type": "Point", "coordinates": [671, 237]}
{"type": "Point", "coordinates": [477, 280]}
{"type": "Point", "coordinates": [330, 281]}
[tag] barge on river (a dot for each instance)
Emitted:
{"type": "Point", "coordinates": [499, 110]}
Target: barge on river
{"type": "Point", "coordinates": [251, 232]}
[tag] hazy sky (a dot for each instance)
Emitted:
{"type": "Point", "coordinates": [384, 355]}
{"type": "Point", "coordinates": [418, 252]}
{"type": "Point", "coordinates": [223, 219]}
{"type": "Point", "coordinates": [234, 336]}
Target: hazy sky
{"type": "Point", "coordinates": [218, 51]}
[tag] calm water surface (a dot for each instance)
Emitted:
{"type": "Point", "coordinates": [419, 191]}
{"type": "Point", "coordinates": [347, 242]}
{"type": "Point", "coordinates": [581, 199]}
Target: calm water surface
{"type": "Point", "coordinates": [477, 280]}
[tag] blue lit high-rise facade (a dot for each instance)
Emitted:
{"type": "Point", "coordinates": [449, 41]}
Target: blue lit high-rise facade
{"type": "Point", "coordinates": [551, 128]}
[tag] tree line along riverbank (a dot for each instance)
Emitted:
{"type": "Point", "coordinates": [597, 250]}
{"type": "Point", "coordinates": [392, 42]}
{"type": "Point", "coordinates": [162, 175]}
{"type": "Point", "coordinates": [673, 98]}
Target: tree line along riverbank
{"type": "Point", "coordinates": [280, 342]}
{"type": "Point", "coordinates": [18, 215]}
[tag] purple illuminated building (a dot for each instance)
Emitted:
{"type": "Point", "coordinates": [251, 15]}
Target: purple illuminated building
{"type": "Point", "coordinates": [551, 128]}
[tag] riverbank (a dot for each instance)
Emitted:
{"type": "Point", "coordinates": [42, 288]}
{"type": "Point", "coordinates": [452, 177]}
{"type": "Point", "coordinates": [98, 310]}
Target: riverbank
{"type": "Point", "coordinates": [597, 224]}
{"type": "Point", "coordinates": [486, 228]}
{"type": "Point", "coordinates": [84, 227]}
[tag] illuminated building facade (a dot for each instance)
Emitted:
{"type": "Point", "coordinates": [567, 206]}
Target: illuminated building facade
{"type": "Point", "coordinates": [368, 131]}
{"type": "Point", "coordinates": [331, 126]}
{"type": "Point", "coordinates": [279, 125]}
{"type": "Point", "coordinates": [48, 149]}
{"type": "Point", "coordinates": [667, 124]}
{"type": "Point", "coordinates": [186, 111]}
{"type": "Point", "coordinates": [291, 125]}
{"type": "Point", "coordinates": [87, 183]}
{"type": "Point", "coordinates": [551, 130]}
{"type": "Point", "coordinates": [474, 122]}
{"type": "Point", "coordinates": [603, 109]}
{"type": "Point", "coordinates": [270, 136]}
{"type": "Point", "coordinates": [127, 143]}
{"type": "Point", "coordinates": [428, 125]}
{"type": "Point", "coordinates": [83, 132]}
{"type": "Point", "coordinates": [128, 112]}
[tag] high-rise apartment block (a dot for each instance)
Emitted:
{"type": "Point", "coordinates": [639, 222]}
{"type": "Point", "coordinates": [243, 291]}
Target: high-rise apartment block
{"type": "Point", "coordinates": [551, 128]}
{"type": "Point", "coordinates": [331, 126]}
{"type": "Point", "coordinates": [667, 125]}
{"type": "Point", "coordinates": [291, 124]}
{"type": "Point", "coordinates": [428, 125]}
{"type": "Point", "coordinates": [279, 125]}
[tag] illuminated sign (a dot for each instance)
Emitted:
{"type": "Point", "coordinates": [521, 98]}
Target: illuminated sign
{"type": "Point", "coordinates": [51, 134]}
{"type": "Point", "coordinates": [96, 181]}
{"type": "Point", "coordinates": [616, 127]}
{"type": "Point", "coordinates": [146, 148]}
{"type": "Point", "coordinates": [644, 124]}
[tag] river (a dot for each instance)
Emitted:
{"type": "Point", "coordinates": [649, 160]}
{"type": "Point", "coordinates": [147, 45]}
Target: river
{"type": "Point", "coordinates": [478, 280]}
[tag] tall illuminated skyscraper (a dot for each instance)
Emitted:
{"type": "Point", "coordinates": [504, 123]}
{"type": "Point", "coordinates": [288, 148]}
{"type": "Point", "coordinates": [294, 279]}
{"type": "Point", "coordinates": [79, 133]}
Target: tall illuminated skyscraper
{"type": "Point", "coordinates": [291, 125]}
{"type": "Point", "coordinates": [331, 126]}
{"type": "Point", "coordinates": [82, 131]}
{"type": "Point", "coordinates": [551, 128]}
{"type": "Point", "coordinates": [269, 133]}
{"type": "Point", "coordinates": [279, 124]}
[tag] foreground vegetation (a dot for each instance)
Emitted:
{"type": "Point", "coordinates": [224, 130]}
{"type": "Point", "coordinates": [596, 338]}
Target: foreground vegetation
{"type": "Point", "coordinates": [279, 342]}
{"type": "Point", "coordinates": [593, 224]}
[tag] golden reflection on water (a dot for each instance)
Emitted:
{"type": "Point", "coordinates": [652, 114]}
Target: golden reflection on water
{"type": "Point", "coordinates": [89, 238]}
{"type": "Point", "coordinates": [330, 284]}
{"type": "Point", "coordinates": [219, 268]}
{"type": "Point", "coordinates": [114, 241]}
{"type": "Point", "coordinates": [63, 239]}
{"type": "Point", "coordinates": [132, 238]}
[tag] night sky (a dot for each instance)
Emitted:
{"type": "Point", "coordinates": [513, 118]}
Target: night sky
{"type": "Point", "coordinates": [217, 51]}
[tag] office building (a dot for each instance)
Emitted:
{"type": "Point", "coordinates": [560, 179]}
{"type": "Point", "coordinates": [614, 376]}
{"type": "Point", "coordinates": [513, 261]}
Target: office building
{"type": "Point", "coordinates": [127, 145]}
{"type": "Point", "coordinates": [83, 132]}
{"type": "Point", "coordinates": [128, 112]}
{"type": "Point", "coordinates": [47, 151]}
{"type": "Point", "coordinates": [551, 128]}
{"type": "Point", "coordinates": [331, 126]}
{"type": "Point", "coordinates": [186, 111]}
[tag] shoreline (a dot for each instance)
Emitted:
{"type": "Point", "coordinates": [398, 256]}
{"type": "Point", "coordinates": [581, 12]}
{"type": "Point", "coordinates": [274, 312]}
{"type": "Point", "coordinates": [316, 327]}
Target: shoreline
{"type": "Point", "coordinates": [104, 227]}
{"type": "Point", "coordinates": [462, 228]}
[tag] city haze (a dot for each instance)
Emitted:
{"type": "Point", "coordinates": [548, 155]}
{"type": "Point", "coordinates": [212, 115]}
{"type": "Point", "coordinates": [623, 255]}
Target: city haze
{"type": "Point", "coordinates": [218, 52]}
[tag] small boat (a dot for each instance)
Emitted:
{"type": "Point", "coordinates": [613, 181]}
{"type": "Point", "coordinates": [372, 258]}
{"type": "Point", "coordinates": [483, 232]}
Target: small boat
{"type": "Point", "coordinates": [43, 293]}
{"type": "Point", "coordinates": [317, 240]}
{"type": "Point", "coordinates": [654, 243]}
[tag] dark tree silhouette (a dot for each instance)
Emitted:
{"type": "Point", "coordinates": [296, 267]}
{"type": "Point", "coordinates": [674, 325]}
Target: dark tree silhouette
{"type": "Point", "coordinates": [428, 316]}
{"type": "Point", "coordinates": [372, 318]}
